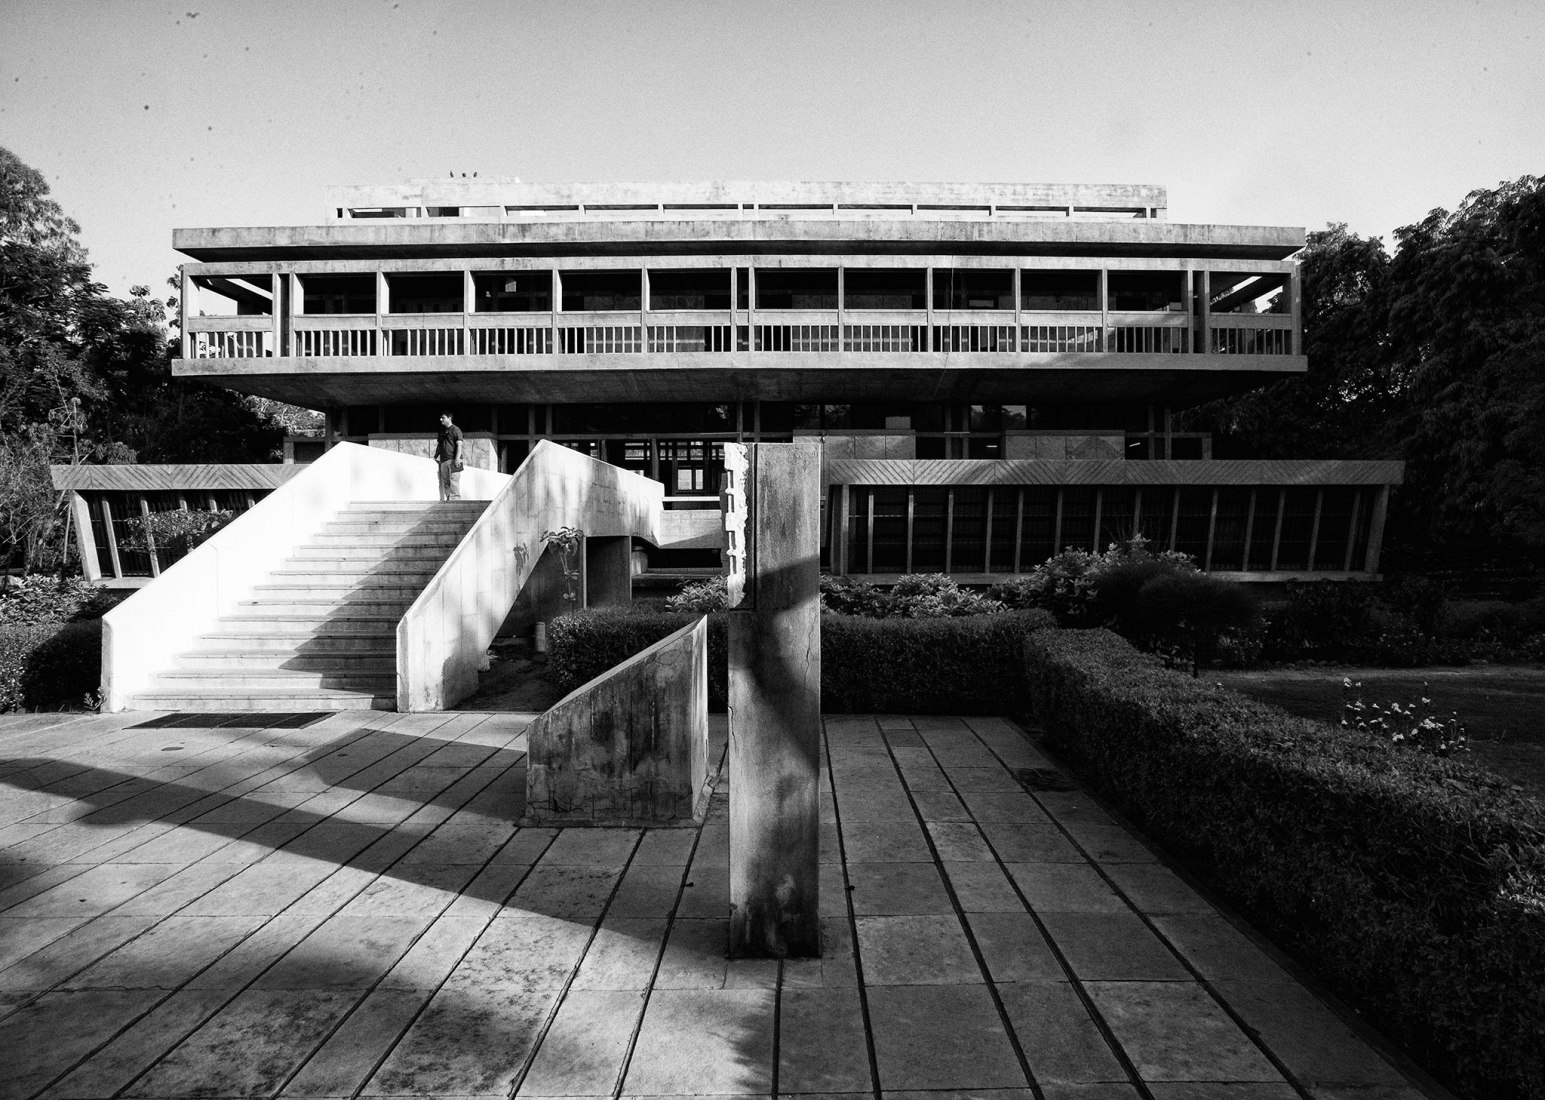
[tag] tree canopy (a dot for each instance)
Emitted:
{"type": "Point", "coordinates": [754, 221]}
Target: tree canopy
{"type": "Point", "coordinates": [1434, 355]}
{"type": "Point", "coordinates": [86, 377]}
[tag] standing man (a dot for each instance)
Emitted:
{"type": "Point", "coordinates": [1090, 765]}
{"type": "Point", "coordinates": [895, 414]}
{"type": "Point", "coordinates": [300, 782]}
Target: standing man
{"type": "Point", "coordinates": [448, 455]}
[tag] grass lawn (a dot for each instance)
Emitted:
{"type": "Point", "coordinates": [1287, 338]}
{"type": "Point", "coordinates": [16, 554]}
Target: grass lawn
{"type": "Point", "coordinates": [1502, 705]}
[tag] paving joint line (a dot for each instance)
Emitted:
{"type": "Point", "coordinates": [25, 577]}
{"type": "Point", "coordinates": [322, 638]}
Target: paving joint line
{"type": "Point", "coordinates": [960, 915]}
{"type": "Point", "coordinates": [847, 893]}
{"type": "Point", "coordinates": [361, 732]}
{"type": "Point", "coordinates": [1239, 1021]}
{"type": "Point", "coordinates": [568, 982]}
{"type": "Point", "coordinates": [1075, 983]}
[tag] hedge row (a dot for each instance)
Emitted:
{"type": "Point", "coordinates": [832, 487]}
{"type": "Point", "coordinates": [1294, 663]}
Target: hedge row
{"type": "Point", "coordinates": [49, 664]}
{"type": "Point", "coordinates": [967, 665]}
{"type": "Point", "coordinates": [1416, 888]}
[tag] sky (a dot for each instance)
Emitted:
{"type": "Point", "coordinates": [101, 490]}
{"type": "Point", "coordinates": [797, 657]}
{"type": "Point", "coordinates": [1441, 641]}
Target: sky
{"type": "Point", "coordinates": [146, 116]}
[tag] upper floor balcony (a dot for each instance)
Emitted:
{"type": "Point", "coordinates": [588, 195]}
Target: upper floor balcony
{"type": "Point", "coordinates": [861, 326]}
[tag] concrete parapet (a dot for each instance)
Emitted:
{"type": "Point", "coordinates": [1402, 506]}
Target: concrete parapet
{"type": "Point", "coordinates": [630, 746]}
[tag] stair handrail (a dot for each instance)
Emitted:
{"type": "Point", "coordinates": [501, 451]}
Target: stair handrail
{"type": "Point", "coordinates": [143, 635]}
{"type": "Point", "coordinates": [442, 637]}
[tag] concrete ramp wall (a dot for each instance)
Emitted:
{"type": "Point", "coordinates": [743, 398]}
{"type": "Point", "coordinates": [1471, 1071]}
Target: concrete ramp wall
{"type": "Point", "coordinates": [629, 747]}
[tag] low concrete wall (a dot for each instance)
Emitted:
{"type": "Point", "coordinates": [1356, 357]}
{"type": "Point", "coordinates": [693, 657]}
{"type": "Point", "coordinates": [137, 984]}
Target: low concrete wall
{"type": "Point", "coordinates": [444, 634]}
{"type": "Point", "coordinates": [631, 746]}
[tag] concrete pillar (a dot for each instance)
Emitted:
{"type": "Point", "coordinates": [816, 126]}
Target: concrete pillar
{"type": "Point", "coordinates": [608, 571]}
{"type": "Point", "coordinates": [775, 712]}
{"type": "Point", "coordinates": [85, 540]}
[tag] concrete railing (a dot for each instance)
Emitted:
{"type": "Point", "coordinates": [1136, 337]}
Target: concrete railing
{"type": "Point", "coordinates": [143, 635]}
{"type": "Point", "coordinates": [443, 636]}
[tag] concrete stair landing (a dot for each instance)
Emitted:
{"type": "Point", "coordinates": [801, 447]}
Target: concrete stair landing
{"type": "Point", "coordinates": [320, 633]}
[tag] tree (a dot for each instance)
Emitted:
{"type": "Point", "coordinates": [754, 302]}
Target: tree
{"type": "Point", "coordinates": [1339, 409]}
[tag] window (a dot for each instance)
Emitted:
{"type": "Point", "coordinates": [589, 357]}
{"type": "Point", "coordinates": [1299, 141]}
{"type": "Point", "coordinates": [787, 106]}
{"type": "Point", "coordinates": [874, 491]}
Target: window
{"type": "Point", "coordinates": [424, 293]}
{"type": "Point", "coordinates": [796, 288]}
{"type": "Point", "coordinates": [697, 288]}
{"type": "Point", "coordinates": [321, 294]}
{"type": "Point", "coordinates": [884, 288]}
{"type": "Point", "coordinates": [1060, 291]}
{"type": "Point", "coordinates": [972, 288]}
{"type": "Point", "coordinates": [593, 291]}
{"type": "Point", "coordinates": [1147, 291]}
{"type": "Point", "coordinates": [513, 291]}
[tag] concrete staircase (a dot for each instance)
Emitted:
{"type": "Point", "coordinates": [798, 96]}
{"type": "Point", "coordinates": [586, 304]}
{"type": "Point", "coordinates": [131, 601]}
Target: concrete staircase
{"type": "Point", "coordinates": [321, 632]}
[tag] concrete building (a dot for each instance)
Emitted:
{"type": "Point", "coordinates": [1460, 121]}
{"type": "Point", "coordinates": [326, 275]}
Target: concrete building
{"type": "Point", "coordinates": [994, 369]}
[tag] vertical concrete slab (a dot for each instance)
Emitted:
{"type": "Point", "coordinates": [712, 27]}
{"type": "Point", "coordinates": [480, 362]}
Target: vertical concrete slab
{"type": "Point", "coordinates": [775, 712]}
{"type": "Point", "coordinates": [629, 747]}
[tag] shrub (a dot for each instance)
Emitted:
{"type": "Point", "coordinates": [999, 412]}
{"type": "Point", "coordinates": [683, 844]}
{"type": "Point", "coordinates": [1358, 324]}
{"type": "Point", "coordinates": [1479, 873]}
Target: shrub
{"type": "Point", "coordinates": [913, 596]}
{"type": "Point", "coordinates": [1085, 589]}
{"type": "Point", "coordinates": [1189, 614]}
{"type": "Point", "coordinates": [950, 665]}
{"type": "Point", "coordinates": [1413, 886]}
{"type": "Point", "coordinates": [700, 597]}
{"type": "Point", "coordinates": [41, 598]}
{"type": "Point", "coordinates": [49, 663]}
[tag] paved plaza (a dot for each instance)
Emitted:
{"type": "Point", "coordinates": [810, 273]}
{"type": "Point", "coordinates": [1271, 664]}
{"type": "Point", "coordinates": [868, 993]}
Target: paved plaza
{"type": "Point", "coordinates": [345, 905]}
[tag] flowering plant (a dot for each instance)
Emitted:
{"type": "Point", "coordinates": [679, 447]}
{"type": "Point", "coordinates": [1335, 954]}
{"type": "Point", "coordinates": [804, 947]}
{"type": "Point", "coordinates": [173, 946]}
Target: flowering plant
{"type": "Point", "coordinates": [1415, 725]}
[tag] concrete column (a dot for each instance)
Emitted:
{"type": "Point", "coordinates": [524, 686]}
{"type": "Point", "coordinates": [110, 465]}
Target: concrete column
{"type": "Point", "coordinates": [85, 540]}
{"type": "Point", "coordinates": [775, 712]}
{"type": "Point", "coordinates": [608, 571]}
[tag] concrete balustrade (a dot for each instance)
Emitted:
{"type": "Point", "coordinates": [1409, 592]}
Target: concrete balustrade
{"type": "Point", "coordinates": [443, 636]}
{"type": "Point", "coordinates": [143, 635]}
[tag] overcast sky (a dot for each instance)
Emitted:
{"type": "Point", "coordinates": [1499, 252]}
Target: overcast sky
{"type": "Point", "coordinates": [145, 116]}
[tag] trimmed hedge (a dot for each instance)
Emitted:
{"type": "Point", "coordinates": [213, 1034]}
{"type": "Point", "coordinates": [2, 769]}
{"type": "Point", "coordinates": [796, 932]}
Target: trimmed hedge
{"type": "Point", "coordinates": [1414, 886]}
{"type": "Point", "coordinates": [967, 664]}
{"type": "Point", "coordinates": [962, 665]}
{"type": "Point", "coordinates": [49, 664]}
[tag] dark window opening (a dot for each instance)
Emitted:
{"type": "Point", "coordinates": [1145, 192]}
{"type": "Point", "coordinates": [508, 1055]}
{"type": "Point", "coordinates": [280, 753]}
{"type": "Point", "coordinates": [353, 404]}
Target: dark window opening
{"type": "Point", "coordinates": [971, 288]}
{"type": "Point", "coordinates": [884, 288]}
{"type": "Point", "coordinates": [796, 288]}
{"type": "Point", "coordinates": [513, 291]}
{"type": "Point", "coordinates": [697, 288]}
{"type": "Point", "coordinates": [322, 294]}
{"type": "Point", "coordinates": [424, 293]}
{"type": "Point", "coordinates": [1147, 291]}
{"type": "Point", "coordinates": [1059, 290]}
{"type": "Point", "coordinates": [595, 291]}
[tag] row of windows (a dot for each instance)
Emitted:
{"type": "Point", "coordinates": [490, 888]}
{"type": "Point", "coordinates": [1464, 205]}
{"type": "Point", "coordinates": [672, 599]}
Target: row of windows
{"type": "Point", "coordinates": [823, 288]}
{"type": "Point", "coordinates": [1011, 529]}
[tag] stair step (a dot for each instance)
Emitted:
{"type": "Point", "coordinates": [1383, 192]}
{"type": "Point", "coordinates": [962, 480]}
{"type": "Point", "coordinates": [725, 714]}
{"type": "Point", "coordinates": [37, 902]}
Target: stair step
{"type": "Point", "coordinates": [276, 679]}
{"type": "Point", "coordinates": [323, 610]}
{"type": "Point", "coordinates": [353, 551]}
{"type": "Point", "coordinates": [213, 701]}
{"type": "Point", "coordinates": [299, 643]}
{"type": "Point", "coordinates": [421, 507]}
{"type": "Point", "coordinates": [338, 593]}
{"type": "Point", "coordinates": [367, 662]}
{"type": "Point", "coordinates": [340, 573]}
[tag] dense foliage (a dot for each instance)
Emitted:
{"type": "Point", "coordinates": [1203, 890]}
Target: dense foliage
{"type": "Point", "coordinates": [1158, 601]}
{"type": "Point", "coordinates": [1435, 355]}
{"type": "Point", "coordinates": [1416, 888]}
{"type": "Point", "coordinates": [914, 596]}
{"type": "Point", "coordinates": [50, 642]}
{"type": "Point", "coordinates": [86, 377]}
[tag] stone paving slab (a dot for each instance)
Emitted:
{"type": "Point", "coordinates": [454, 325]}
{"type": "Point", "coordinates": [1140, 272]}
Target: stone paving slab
{"type": "Point", "coordinates": [222, 907]}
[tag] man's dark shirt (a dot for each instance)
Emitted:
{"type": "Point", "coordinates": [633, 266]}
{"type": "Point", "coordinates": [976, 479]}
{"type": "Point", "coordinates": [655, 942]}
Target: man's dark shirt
{"type": "Point", "coordinates": [445, 446]}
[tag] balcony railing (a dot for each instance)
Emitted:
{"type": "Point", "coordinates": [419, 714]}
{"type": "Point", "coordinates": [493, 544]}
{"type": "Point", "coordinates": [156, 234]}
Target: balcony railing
{"type": "Point", "coordinates": [718, 332]}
